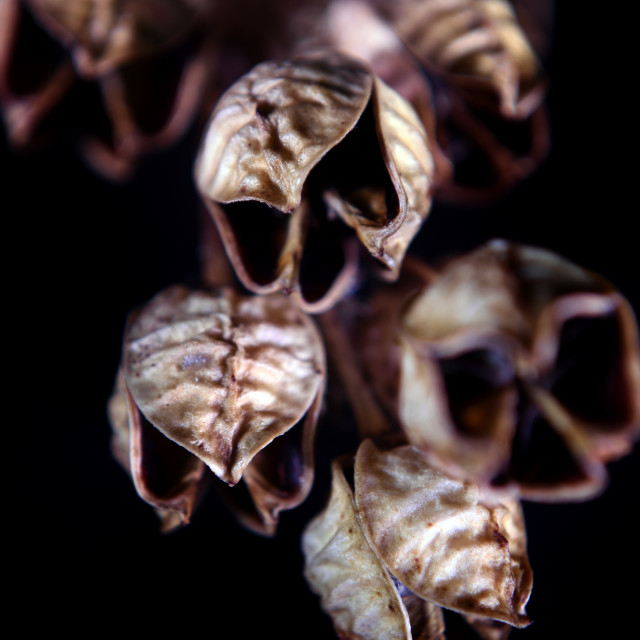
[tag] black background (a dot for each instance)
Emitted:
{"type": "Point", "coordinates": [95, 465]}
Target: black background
{"type": "Point", "coordinates": [85, 552]}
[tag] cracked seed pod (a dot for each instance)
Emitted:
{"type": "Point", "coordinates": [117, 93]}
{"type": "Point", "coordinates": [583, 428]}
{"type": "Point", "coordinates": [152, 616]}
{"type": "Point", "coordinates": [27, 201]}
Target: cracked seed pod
{"type": "Point", "coordinates": [519, 368]}
{"type": "Point", "coordinates": [225, 378]}
{"type": "Point", "coordinates": [478, 45]}
{"type": "Point", "coordinates": [298, 152]}
{"type": "Point", "coordinates": [409, 541]}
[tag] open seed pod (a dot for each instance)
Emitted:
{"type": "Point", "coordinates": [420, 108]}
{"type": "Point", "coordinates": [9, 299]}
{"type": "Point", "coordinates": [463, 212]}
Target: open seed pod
{"type": "Point", "coordinates": [165, 476]}
{"type": "Point", "coordinates": [518, 367]}
{"type": "Point", "coordinates": [301, 154]}
{"type": "Point", "coordinates": [478, 46]}
{"type": "Point", "coordinates": [220, 377]}
{"type": "Point", "coordinates": [488, 88]}
{"type": "Point", "coordinates": [408, 539]}
{"type": "Point", "coordinates": [101, 35]}
{"type": "Point", "coordinates": [124, 81]}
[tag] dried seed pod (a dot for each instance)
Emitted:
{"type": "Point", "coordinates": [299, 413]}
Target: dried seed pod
{"type": "Point", "coordinates": [222, 376]}
{"type": "Point", "coordinates": [343, 569]}
{"type": "Point", "coordinates": [520, 367]}
{"type": "Point", "coordinates": [439, 538]}
{"type": "Point", "coordinates": [478, 45]}
{"type": "Point", "coordinates": [294, 147]}
{"type": "Point", "coordinates": [103, 35]}
{"type": "Point", "coordinates": [409, 540]}
{"type": "Point", "coordinates": [165, 475]}
{"type": "Point", "coordinates": [151, 65]}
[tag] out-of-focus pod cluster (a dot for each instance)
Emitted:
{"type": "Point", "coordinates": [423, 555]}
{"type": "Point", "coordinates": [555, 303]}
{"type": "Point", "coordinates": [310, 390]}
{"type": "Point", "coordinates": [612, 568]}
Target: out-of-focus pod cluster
{"type": "Point", "coordinates": [129, 78]}
{"type": "Point", "coordinates": [224, 381]}
{"type": "Point", "coordinates": [469, 70]}
{"type": "Point", "coordinates": [125, 79]}
{"type": "Point", "coordinates": [399, 539]}
{"type": "Point", "coordinates": [511, 367]}
{"type": "Point", "coordinates": [300, 160]}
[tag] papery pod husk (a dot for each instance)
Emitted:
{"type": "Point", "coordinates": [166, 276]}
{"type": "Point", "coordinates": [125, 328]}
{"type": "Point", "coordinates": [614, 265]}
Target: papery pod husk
{"type": "Point", "coordinates": [354, 27]}
{"type": "Point", "coordinates": [264, 140]}
{"type": "Point", "coordinates": [149, 104]}
{"type": "Point", "coordinates": [439, 537]}
{"type": "Point", "coordinates": [461, 414]}
{"type": "Point", "coordinates": [278, 478]}
{"type": "Point", "coordinates": [223, 374]}
{"type": "Point", "coordinates": [104, 34]}
{"type": "Point", "coordinates": [341, 567]}
{"type": "Point", "coordinates": [479, 47]}
{"type": "Point", "coordinates": [142, 103]}
{"type": "Point", "coordinates": [165, 475]}
{"type": "Point", "coordinates": [522, 324]}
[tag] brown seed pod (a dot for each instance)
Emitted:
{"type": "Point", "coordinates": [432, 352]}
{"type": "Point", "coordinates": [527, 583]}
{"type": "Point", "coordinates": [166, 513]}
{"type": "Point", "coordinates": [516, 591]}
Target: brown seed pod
{"type": "Point", "coordinates": [348, 575]}
{"type": "Point", "coordinates": [440, 538]}
{"type": "Point", "coordinates": [165, 475]}
{"type": "Point", "coordinates": [520, 367]}
{"type": "Point", "coordinates": [478, 46]}
{"type": "Point", "coordinates": [294, 148]}
{"type": "Point", "coordinates": [222, 376]}
{"type": "Point", "coordinates": [408, 539]}
{"type": "Point", "coordinates": [103, 35]}
{"type": "Point", "coordinates": [149, 63]}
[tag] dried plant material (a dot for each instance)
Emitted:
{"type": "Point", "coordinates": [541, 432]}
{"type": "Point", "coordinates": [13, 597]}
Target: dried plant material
{"type": "Point", "coordinates": [488, 629]}
{"type": "Point", "coordinates": [427, 621]}
{"type": "Point", "coordinates": [272, 127]}
{"type": "Point", "coordinates": [132, 82]}
{"type": "Point", "coordinates": [438, 537]}
{"type": "Point", "coordinates": [354, 587]}
{"type": "Point", "coordinates": [354, 27]}
{"type": "Point", "coordinates": [165, 475]}
{"type": "Point", "coordinates": [520, 367]}
{"type": "Point", "coordinates": [223, 375]}
{"type": "Point", "coordinates": [26, 100]}
{"type": "Point", "coordinates": [280, 476]}
{"type": "Point", "coordinates": [478, 45]}
{"type": "Point", "coordinates": [102, 35]}
{"type": "Point", "coordinates": [283, 160]}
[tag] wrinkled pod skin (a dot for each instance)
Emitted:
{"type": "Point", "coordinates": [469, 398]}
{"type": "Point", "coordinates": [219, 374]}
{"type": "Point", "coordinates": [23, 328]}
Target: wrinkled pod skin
{"type": "Point", "coordinates": [219, 380]}
{"type": "Point", "coordinates": [398, 539]}
{"type": "Point", "coordinates": [515, 368]}
{"type": "Point", "coordinates": [299, 155]}
{"type": "Point", "coordinates": [478, 46]}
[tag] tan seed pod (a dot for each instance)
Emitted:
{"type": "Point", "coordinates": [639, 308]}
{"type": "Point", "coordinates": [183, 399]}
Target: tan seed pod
{"type": "Point", "coordinates": [294, 147]}
{"type": "Point", "coordinates": [438, 536]}
{"type": "Point", "coordinates": [165, 475]}
{"type": "Point", "coordinates": [102, 35]}
{"type": "Point", "coordinates": [518, 366]}
{"type": "Point", "coordinates": [223, 375]}
{"type": "Point", "coordinates": [478, 45]}
{"type": "Point", "coordinates": [355, 589]}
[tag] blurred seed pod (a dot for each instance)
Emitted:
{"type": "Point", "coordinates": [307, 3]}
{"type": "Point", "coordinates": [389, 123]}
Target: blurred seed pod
{"type": "Point", "coordinates": [217, 378]}
{"type": "Point", "coordinates": [478, 46]}
{"type": "Point", "coordinates": [123, 81]}
{"type": "Point", "coordinates": [299, 155]}
{"type": "Point", "coordinates": [519, 369]}
{"type": "Point", "coordinates": [407, 539]}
